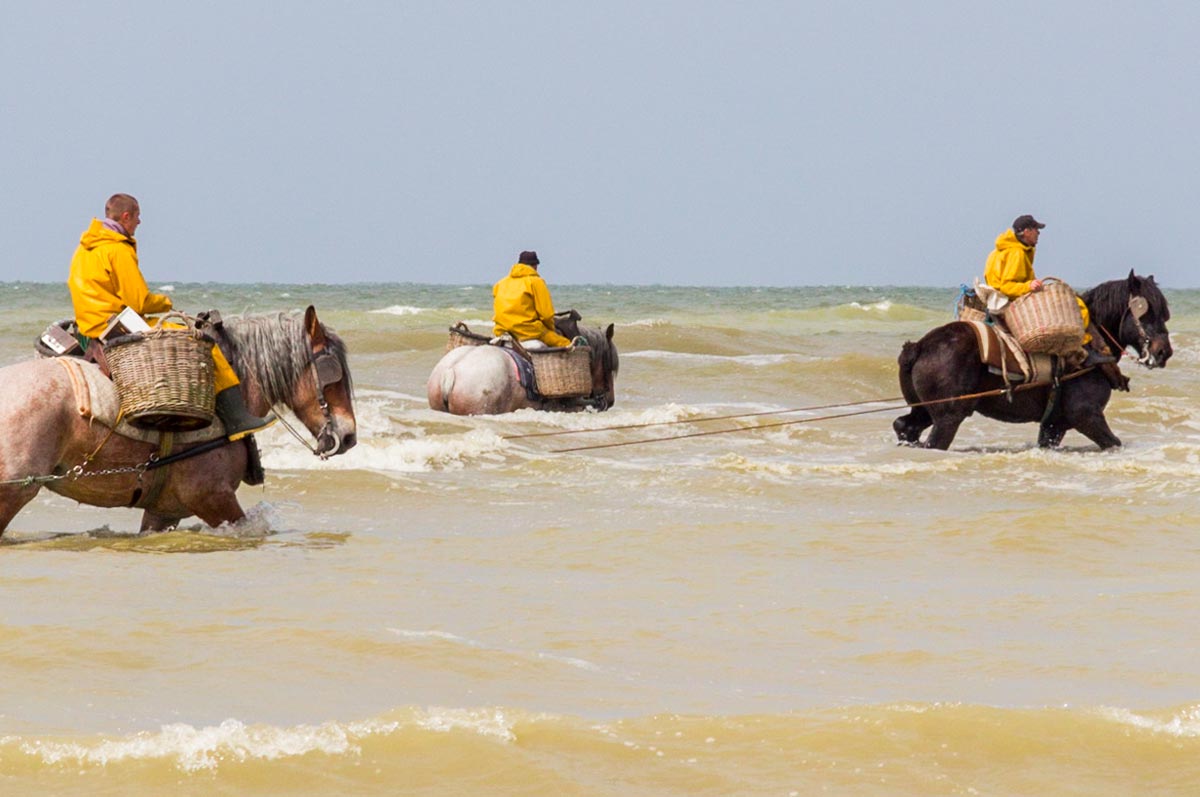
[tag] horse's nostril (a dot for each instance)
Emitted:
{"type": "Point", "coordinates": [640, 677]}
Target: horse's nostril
{"type": "Point", "coordinates": [348, 442]}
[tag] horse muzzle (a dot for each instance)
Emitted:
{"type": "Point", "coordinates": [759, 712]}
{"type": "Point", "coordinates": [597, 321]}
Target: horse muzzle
{"type": "Point", "coordinates": [1157, 353]}
{"type": "Point", "coordinates": [331, 444]}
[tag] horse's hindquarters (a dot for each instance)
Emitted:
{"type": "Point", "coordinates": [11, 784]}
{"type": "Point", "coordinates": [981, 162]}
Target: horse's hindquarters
{"type": "Point", "coordinates": [475, 380]}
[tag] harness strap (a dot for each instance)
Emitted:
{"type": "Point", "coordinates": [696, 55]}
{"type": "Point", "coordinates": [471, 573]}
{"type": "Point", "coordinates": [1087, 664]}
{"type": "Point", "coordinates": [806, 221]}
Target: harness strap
{"type": "Point", "coordinates": [157, 480]}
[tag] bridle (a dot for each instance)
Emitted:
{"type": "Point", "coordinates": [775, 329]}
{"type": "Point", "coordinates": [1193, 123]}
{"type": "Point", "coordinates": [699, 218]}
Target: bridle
{"type": "Point", "coordinates": [1136, 309]}
{"type": "Point", "coordinates": [326, 371]}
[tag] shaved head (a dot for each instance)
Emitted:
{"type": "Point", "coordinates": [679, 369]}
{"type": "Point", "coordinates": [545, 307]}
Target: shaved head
{"type": "Point", "coordinates": [118, 204]}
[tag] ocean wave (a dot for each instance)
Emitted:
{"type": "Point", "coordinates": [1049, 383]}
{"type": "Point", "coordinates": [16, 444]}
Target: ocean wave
{"type": "Point", "coordinates": [387, 454]}
{"type": "Point", "coordinates": [194, 749]}
{"type": "Point", "coordinates": [401, 309]}
{"type": "Point", "coordinates": [444, 636]}
{"type": "Point", "coordinates": [744, 359]}
{"type": "Point", "coordinates": [881, 306]}
{"type": "Point", "coordinates": [1184, 724]}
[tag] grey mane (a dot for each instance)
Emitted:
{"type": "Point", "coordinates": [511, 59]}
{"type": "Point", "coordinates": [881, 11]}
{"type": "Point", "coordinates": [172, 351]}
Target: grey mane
{"type": "Point", "coordinates": [273, 350]}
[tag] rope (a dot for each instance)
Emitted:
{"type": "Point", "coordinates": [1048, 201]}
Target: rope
{"type": "Point", "coordinates": [697, 420]}
{"type": "Point", "coordinates": [931, 402]}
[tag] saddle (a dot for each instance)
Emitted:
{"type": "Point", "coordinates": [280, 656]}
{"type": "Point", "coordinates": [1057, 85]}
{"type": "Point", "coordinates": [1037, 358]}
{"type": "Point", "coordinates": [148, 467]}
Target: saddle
{"type": "Point", "coordinates": [1004, 357]}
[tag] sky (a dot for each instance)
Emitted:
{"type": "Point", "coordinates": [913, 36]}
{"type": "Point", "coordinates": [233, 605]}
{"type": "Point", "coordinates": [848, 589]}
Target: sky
{"type": "Point", "coordinates": [679, 142]}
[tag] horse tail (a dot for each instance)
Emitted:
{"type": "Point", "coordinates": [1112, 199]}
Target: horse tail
{"type": "Point", "coordinates": [908, 356]}
{"type": "Point", "coordinates": [447, 385]}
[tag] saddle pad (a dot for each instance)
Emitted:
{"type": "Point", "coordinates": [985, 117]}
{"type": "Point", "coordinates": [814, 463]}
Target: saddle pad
{"type": "Point", "coordinates": [1019, 365]}
{"type": "Point", "coordinates": [96, 398]}
{"type": "Point", "coordinates": [524, 373]}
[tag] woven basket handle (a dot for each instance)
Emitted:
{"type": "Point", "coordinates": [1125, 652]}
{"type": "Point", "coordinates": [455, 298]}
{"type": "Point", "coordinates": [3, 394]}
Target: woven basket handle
{"type": "Point", "coordinates": [188, 321]}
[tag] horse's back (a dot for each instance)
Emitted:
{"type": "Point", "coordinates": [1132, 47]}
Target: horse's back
{"type": "Point", "coordinates": [39, 401]}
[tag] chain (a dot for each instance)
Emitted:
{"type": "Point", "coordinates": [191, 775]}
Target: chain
{"type": "Point", "coordinates": [78, 472]}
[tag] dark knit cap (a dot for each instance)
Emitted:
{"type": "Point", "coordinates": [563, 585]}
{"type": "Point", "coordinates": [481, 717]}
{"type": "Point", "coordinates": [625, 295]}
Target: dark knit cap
{"type": "Point", "coordinates": [529, 258]}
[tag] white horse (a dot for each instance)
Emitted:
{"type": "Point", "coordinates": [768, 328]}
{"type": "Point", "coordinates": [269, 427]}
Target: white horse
{"type": "Point", "coordinates": [282, 360]}
{"type": "Point", "coordinates": [483, 380]}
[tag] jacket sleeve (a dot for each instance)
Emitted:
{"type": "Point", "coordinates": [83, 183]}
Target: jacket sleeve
{"type": "Point", "coordinates": [131, 285]}
{"type": "Point", "coordinates": [1006, 273]}
{"type": "Point", "coordinates": [545, 313]}
{"type": "Point", "coordinates": [541, 302]}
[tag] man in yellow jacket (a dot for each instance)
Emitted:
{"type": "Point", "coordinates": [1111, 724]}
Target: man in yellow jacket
{"type": "Point", "coordinates": [522, 305]}
{"type": "Point", "coordinates": [105, 279]}
{"type": "Point", "coordinates": [1009, 270]}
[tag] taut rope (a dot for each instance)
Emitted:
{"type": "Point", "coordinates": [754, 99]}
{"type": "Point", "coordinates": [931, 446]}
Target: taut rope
{"type": "Point", "coordinates": [966, 397]}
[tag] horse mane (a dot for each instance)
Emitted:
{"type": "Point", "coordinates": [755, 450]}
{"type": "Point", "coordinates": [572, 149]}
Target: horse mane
{"type": "Point", "coordinates": [599, 342]}
{"type": "Point", "coordinates": [1110, 299]}
{"type": "Point", "coordinates": [274, 349]}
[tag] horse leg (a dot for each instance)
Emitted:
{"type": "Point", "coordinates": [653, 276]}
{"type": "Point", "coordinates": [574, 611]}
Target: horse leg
{"type": "Point", "coordinates": [1094, 427]}
{"type": "Point", "coordinates": [153, 521]}
{"type": "Point", "coordinates": [219, 507]}
{"type": "Point", "coordinates": [12, 499]}
{"type": "Point", "coordinates": [1051, 433]}
{"type": "Point", "coordinates": [908, 427]}
{"type": "Point", "coordinates": [945, 426]}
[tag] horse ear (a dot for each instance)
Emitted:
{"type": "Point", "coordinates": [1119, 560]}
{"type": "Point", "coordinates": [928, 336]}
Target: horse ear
{"type": "Point", "coordinates": [1135, 284]}
{"type": "Point", "coordinates": [609, 332]}
{"type": "Point", "coordinates": [316, 332]}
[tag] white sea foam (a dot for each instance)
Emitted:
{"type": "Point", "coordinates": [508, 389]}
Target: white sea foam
{"type": "Point", "coordinates": [1185, 724]}
{"type": "Point", "coordinates": [195, 749]}
{"type": "Point", "coordinates": [411, 455]}
{"type": "Point", "coordinates": [747, 359]}
{"type": "Point", "coordinates": [881, 306]}
{"type": "Point", "coordinates": [167, 288]}
{"type": "Point", "coordinates": [444, 636]}
{"type": "Point", "coordinates": [401, 309]}
{"type": "Point", "coordinates": [485, 722]}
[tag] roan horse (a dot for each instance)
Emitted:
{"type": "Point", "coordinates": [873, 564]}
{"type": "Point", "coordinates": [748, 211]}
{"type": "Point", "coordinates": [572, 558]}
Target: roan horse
{"type": "Point", "coordinates": [482, 380]}
{"type": "Point", "coordinates": [282, 361]}
{"type": "Point", "coordinates": [945, 363]}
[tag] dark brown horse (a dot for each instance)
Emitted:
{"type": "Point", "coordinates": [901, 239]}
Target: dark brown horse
{"type": "Point", "coordinates": [282, 360]}
{"type": "Point", "coordinates": [945, 363]}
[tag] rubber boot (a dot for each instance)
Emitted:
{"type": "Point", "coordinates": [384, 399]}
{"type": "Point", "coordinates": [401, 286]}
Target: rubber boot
{"type": "Point", "coordinates": [238, 420]}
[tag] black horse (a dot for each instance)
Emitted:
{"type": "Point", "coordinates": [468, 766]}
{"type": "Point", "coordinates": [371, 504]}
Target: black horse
{"type": "Point", "coordinates": [945, 363]}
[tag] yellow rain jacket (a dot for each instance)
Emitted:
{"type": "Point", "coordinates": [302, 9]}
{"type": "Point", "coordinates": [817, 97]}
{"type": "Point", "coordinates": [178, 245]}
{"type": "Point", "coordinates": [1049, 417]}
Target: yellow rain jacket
{"type": "Point", "coordinates": [105, 279]}
{"type": "Point", "coordinates": [1009, 270]}
{"type": "Point", "coordinates": [523, 307]}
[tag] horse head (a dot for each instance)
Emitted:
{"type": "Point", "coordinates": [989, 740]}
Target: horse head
{"type": "Point", "coordinates": [301, 365]}
{"type": "Point", "coordinates": [1133, 312]}
{"type": "Point", "coordinates": [605, 364]}
{"type": "Point", "coordinates": [329, 413]}
{"type": "Point", "coordinates": [1148, 316]}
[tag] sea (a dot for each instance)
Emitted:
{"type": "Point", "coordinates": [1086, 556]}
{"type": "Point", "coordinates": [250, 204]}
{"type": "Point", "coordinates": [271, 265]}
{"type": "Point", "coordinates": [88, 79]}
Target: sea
{"type": "Point", "coordinates": [734, 582]}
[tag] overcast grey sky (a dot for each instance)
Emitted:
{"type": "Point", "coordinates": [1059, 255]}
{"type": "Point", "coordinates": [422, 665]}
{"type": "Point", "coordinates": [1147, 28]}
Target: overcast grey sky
{"type": "Point", "coordinates": [676, 142]}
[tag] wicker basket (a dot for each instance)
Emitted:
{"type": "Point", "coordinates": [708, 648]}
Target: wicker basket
{"type": "Point", "coordinates": [461, 336]}
{"type": "Point", "coordinates": [1047, 321]}
{"type": "Point", "coordinates": [562, 373]}
{"type": "Point", "coordinates": [164, 378]}
{"type": "Point", "coordinates": [970, 308]}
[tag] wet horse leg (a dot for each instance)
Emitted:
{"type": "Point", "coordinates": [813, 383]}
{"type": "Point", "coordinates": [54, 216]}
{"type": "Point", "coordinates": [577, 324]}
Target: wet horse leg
{"type": "Point", "coordinates": [153, 521]}
{"type": "Point", "coordinates": [205, 486]}
{"type": "Point", "coordinates": [12, 499]}
{"type": "Point", "coordinates": [1095, 427]}
{"type": "Point", "coordinates": [946, 421]}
